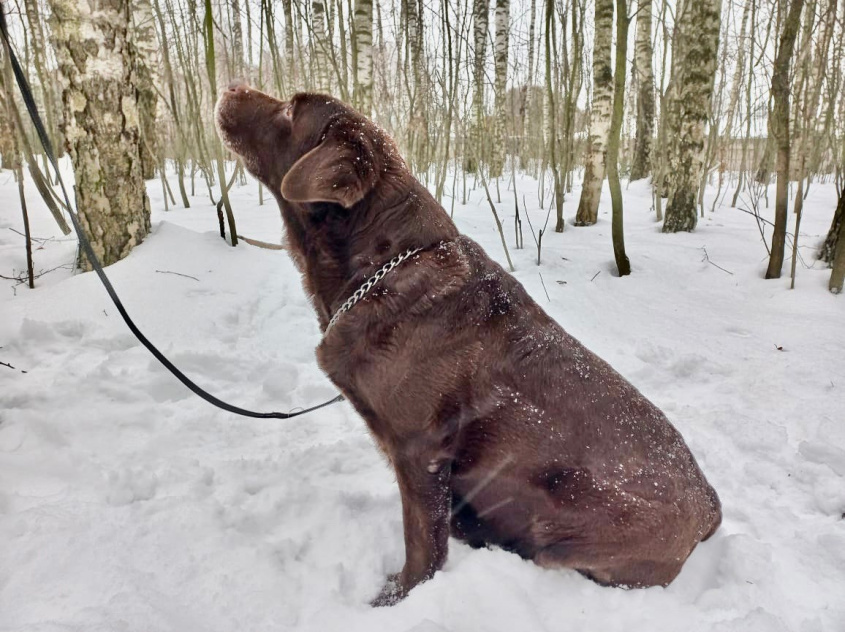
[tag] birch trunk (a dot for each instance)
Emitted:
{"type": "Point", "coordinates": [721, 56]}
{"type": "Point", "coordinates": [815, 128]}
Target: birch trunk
{"type": "Point", "coordinates": [480, 18]}
{"type": "Point", "coordinates": [693, 68]}
{"type": "Point", "coordinates": [145, 55]}
{"type": "Point", "coordinates": [528, 88]}
{"type": "Point", "coordinates": [364, 55]}
{"type": "Point", "coordinates": [238, 39]}
{"type": "Point", "coordinates": [641, 167]}
{"type": "Point", "coordinates": [500, 56]}
{"type": "Point", "coordinates": [319, 35]}
{"type": "Point", "coordinates": [102, 129]}
{"type": "Point", "coordinates": [290, 63]}
{"type": "Point", "coordinates": [600, 115]}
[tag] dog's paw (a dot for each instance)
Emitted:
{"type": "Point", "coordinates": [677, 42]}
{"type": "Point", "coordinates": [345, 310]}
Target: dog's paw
{"type": "Point", "coordinates": [391, 593]}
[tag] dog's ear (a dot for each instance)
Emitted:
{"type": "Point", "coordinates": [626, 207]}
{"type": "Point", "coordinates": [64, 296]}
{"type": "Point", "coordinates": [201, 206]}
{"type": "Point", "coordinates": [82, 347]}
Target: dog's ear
{"type": "Point", "coordinates": [340, 169]}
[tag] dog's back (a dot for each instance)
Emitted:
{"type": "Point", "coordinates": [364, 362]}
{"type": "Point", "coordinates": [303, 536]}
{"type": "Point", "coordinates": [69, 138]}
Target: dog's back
{"type": "Point", "coordinates": [589, 473]}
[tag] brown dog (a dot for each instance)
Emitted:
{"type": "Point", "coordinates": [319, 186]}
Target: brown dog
{"type": "Point", "coordinates": [501, 427]}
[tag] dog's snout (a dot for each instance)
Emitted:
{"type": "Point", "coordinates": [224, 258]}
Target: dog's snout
{"type": "Point", "coordinates": [238, 85]}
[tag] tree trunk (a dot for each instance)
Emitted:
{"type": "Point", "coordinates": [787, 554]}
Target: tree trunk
{"type": "Point", "coordinates": [211, 72]}
{"type": "Point", "coordinates": [837, 276]}
{"type": "Point", "coordinates": [828, 250]}
{"type": "Point", "coordinates": [290, 62]}
{"type": "Point", "coordinates": [600, 115]}
{"type": "Point", "coordinates": [319, 35]}
{"type": "Point", "coordinates": [696, 45]}
{"type": "Point", "coordinates": [641, 167]}
{"type": "Point", "coordinates": [780, 130]}
{"type": "Point", "coordinates": [528, 90]}
{"type": "Point", "coordinates": [551, 131]}
{"type": "Point", "coordinates": [500, 56]}
{"type": "Point", "coordinates": [102, 122]}
{"type": "Point", "coordinates": [622, 21]}
{"type": "Point", "coordinates": [364, 56]}
{"type": "Point", "coordinates": [45, 78]}
{"type": "Point", "coordinates": [237, 39]}
{"type": "Point", "coordinates": [8, 152]}
{"type": "Point", "coordinates": [480, 17]}
{"type": "Point", "coordinates": [145, 55]}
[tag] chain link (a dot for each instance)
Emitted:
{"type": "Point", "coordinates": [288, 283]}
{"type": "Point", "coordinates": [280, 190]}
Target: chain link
{"type": "Point", "coordinates": [368, 285]}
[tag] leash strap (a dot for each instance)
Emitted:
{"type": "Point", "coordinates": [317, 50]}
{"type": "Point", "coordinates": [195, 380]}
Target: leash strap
{"type": "Point", "coordinates": [26, 93]}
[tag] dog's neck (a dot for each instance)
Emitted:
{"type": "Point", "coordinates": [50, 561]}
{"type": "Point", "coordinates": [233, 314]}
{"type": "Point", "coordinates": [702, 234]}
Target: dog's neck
{"type": "Point", "coordinates": [336, 249]}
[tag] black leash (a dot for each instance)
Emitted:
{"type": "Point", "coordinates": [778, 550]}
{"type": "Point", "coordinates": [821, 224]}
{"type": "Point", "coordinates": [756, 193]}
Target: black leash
{"type": "Point", "coordinates": [26, 93]}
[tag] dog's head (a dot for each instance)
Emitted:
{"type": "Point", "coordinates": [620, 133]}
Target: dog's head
{"type": "Point", "coordinates": [312, 148]}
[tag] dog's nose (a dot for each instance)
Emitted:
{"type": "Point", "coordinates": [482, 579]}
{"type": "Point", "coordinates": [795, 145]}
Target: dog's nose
{"type": "Point", "coordinates": [238, 85]}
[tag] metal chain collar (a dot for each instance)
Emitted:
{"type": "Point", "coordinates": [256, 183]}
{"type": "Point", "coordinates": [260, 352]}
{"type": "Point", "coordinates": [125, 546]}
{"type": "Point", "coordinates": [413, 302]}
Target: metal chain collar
{"type": "Point", "coordinates": [368, 285]}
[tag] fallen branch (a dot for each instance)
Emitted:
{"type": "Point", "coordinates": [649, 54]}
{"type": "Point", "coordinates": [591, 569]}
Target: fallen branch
{"type": "Point", "coordinates": [187, 276]}
{"type": "Point", "coordinates": [544, 288]}
{"type": "Point", "coordinates": [707, 259]}
{"type": "Point", "coordinates": [262, 244]}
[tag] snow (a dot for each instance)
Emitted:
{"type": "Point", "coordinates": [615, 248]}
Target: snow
{"type": "Point", "coordinates": [126, 503]}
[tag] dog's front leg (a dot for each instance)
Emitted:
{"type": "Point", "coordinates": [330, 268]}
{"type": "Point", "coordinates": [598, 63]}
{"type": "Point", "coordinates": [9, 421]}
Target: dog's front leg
{"type": "Point", "coordinates": [424, 487]}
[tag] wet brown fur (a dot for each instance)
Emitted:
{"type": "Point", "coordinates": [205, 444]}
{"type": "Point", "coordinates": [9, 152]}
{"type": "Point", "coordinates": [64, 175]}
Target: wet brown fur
{"type": "Point", "coordinates": [501, 427]}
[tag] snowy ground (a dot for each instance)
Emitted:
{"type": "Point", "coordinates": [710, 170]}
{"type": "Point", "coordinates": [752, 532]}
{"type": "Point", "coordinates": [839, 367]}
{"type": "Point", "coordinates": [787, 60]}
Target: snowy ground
{"type": "Point", "coordinates": [126, 503]}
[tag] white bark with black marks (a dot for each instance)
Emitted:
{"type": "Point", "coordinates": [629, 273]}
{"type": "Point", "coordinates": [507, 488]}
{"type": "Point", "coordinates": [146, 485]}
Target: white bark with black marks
{"type": "Point", "coordinates": [696, 45]}
{"type": "Point", "coordinates": [500, 57]}
{"type": "Point", "coordinates": [643, 53]}
{"type": "Point", "coordinates": [363, 48]}
{"type": "Point", "coordinates": [601, 111]}
{"type": "Point", "coordinates": [101, 122]}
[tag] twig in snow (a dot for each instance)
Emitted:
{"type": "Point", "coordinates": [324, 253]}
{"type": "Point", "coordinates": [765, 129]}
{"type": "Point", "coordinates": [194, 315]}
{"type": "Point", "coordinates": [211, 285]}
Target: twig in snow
{"type": "Point", "coordinates": [544, 288]}
{"type": "Point", "coordinates": [187, 276]}
{"type": "Point", "coordinates": [707, 259]}
{"type": "Point", "coordinates": [595, 275]}
{"type": "Point", "coordinates": [40, 240]}
{"type": "Point", "coordinates": [22, 277]}
{"type": "Point", "coordinates": [6, 364]}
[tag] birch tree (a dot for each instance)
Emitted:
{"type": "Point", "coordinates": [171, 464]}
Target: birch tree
{"type": "Point", "coordinates": [363, 55]}
{"type": "Point", "coordinates": [696, 45]}
{"type": "Point", "coordinates": [320, 45]}
{"type": "Point", "coordinates": [600, 115]}
{"type": "Point", "coordinates": [480, 9]}
{"type": "Point", "coordinates": [101, 122]}
{"type": "Point", "coordinates": [500, 57]}
{"type": "Point", "coordinates": [145, 57]}
{"type": "Point", "coordinates": [643, 70]}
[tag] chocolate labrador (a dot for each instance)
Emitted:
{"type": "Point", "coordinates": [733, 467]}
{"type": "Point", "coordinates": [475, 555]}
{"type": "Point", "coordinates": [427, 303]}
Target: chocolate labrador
{"type": "Point", "coordinates": [501, 427]}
